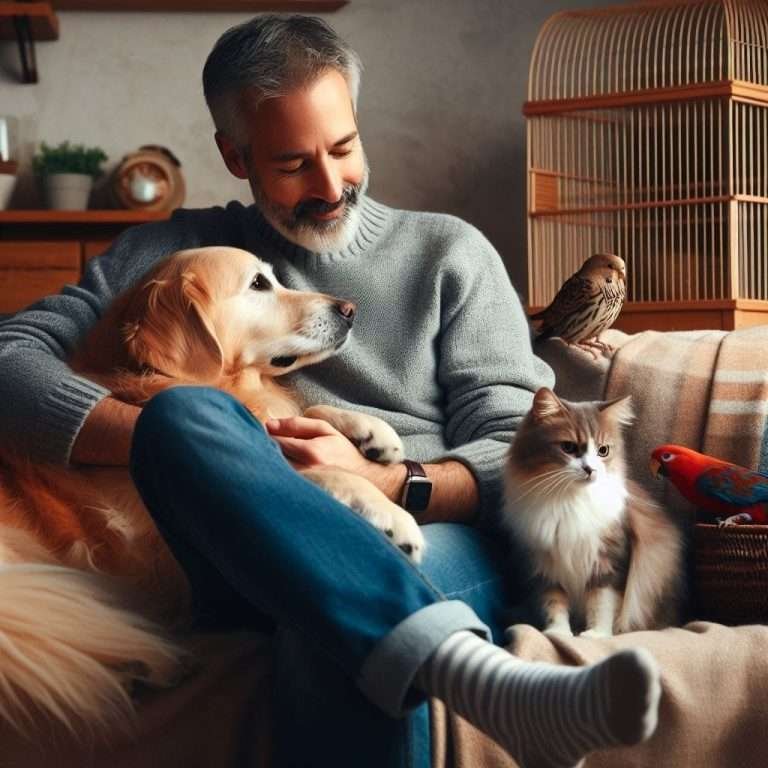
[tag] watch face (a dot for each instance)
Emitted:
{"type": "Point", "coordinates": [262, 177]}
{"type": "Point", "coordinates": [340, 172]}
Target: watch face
{"type": "Point", "coordinates": [418, 496]}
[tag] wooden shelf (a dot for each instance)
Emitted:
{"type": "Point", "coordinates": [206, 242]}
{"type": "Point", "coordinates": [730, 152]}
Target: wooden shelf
{"type": "Point", "coordinates": [300, 6]}
{"type": "Point", "coordinates": [709, 314]}
{"type": "Point", "coordinates": [45, 216]}
{"type": "Point", "coordinates": [43, 21]}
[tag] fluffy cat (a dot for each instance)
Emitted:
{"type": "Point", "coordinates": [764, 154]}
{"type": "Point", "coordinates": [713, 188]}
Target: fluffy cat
{"type": "Point", "coordinates": [609, 558]}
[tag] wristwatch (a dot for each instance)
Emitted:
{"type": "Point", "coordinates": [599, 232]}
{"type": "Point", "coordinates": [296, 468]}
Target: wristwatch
{"type": "Point", "coordinates": [417, 488]}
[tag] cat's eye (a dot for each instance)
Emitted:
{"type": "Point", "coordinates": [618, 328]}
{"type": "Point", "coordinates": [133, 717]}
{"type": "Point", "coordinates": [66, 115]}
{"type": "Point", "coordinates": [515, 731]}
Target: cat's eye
{"type": "Point", "coordinates": [569, 447]}
{"type": "Point", "coordinates": [260, 283]}
{"type": "Point", "coordinates": [603, 451]}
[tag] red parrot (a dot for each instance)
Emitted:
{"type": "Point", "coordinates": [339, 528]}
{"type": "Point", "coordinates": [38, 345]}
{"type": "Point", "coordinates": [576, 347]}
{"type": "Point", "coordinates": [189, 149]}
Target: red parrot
{"type": "Point", "coordinates": [727, 491]}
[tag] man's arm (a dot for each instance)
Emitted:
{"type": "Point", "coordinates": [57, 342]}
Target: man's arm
{"type": "Point", "coordinates": [454, 499]}
{"type": "Point", "coordinates": [44, 405]}
{"type": "Point", "coordinates": [486, 367]}
{"type": "Point", "coordinates": [105, 437]}
{"type": "Point", "coordinates": [310, 442]}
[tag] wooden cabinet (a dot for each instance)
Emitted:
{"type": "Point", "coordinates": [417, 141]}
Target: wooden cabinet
{"type": "Point", "coordinates": [41, 251]}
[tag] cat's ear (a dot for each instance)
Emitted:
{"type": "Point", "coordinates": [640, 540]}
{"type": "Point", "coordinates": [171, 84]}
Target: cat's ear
{"type": "Point", "coordinates": [618, 410]}
{"type": "Point", "coordinates": [546, 404]}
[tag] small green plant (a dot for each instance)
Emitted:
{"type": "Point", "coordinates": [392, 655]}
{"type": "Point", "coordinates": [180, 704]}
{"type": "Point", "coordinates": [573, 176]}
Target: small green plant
{"type": "Point", "coordinates": [68, 158]}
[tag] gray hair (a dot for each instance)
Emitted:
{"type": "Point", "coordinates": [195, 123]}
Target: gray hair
{"type": "Point", "coordinates": [268, 56]}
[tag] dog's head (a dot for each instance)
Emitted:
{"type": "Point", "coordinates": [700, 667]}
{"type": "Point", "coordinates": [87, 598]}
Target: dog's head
{"type": "Point", "coordinates": [208, 312]}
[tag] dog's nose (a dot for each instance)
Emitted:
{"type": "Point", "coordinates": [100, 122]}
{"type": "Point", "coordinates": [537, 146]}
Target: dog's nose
{"type": "Point", "coordinates": [346, 309]}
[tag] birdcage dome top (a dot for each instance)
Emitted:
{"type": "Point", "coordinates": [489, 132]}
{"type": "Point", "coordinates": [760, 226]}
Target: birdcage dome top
{"type": "Point", "coordinates": [649, 45]}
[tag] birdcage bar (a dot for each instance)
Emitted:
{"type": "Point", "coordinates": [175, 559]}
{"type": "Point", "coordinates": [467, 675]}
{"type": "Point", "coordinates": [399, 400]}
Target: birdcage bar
{"type": "Point", "coordinates": [652, 118]}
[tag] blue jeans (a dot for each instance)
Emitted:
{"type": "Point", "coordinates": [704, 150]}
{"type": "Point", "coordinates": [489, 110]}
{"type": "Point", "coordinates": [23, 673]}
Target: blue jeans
{"type": "Point", "coordinates": [355, 619]}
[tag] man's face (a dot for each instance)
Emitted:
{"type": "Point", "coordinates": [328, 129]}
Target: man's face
{"type": "Point", "coordinates": [305, 163]}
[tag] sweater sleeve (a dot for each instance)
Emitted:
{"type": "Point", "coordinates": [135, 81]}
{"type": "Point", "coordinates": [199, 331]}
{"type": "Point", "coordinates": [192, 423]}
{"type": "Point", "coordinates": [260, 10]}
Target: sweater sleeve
{"type": "Point", "coordinates": [487, 370]}
{"type": "Point", "coordinates": [43, 403]}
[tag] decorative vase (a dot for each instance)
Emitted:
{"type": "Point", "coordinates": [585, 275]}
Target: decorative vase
{"type": "Point", "coordinates": [68, 191]}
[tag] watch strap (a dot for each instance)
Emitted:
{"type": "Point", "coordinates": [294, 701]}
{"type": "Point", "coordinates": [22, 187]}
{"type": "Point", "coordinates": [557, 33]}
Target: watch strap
{"type": "Point", "coordinates": [413, 469]}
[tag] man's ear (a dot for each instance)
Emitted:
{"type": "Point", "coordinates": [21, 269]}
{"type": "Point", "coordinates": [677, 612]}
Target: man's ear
{"type": "Point", "coordinates": [232, 156]}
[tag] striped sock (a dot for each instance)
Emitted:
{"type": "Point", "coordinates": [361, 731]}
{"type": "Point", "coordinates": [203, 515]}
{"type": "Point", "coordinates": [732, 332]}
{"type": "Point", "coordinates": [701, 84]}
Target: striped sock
{"type": "Point", "coordinates": [544, 715]}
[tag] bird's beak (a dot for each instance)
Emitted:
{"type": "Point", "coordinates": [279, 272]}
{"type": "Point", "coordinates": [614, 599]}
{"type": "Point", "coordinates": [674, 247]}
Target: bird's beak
{"type": "Point", "coordinates": [658, 469]}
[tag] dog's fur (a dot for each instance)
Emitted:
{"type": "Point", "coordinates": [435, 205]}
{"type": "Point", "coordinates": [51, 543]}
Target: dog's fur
{"type": "Point", "coordinates": [78, 551]}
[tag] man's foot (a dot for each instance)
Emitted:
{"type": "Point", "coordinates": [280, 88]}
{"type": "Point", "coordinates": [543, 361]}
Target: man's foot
{"type": "Point", "coordinates": [544, 715]}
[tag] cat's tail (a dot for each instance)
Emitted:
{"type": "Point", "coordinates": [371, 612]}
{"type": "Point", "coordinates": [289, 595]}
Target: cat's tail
{"type": "Point", "coordinates": [655, 581]}
{"type": "Point", "coordinates": [69, 645]}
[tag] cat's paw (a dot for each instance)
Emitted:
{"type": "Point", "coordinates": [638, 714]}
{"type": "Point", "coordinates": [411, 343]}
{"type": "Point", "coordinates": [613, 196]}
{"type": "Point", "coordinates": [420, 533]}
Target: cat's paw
{"type": "Point", "coordinates": [558, 630]}
{"type": "Point", "coordinates": [595, 633]}
{"type": "Point", "coordinates": [374, 438]}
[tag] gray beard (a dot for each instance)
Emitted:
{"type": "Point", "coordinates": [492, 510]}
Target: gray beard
{"type": "Point", "coordinates": [309, 233]}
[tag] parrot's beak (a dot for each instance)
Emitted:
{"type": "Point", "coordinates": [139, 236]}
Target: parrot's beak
{"type": "Point", "coordinates": [658, 469]}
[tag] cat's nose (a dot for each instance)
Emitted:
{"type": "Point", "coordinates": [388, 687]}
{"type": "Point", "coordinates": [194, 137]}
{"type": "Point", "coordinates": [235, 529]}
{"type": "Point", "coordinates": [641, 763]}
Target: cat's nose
{"type": "Point", "coordinates": [589, 471]}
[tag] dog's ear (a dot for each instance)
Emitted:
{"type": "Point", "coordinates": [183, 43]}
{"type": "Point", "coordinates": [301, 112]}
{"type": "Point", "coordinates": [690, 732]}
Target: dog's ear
{"type": "Point", "coordinates": [167, 326]}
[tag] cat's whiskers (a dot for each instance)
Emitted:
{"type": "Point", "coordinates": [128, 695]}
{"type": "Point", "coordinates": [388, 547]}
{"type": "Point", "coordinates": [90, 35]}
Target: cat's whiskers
{"type": "Point", "coordinates": [556, 487]}
{"type": "Point", "coordinates": [555, 490]}
{"type": "Point", "coordinates": [543, 480]}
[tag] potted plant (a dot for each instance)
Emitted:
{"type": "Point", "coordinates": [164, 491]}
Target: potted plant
{"type": "Point", "coordinates": [67, 172]}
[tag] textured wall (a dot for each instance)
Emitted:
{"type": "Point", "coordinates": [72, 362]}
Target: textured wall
{"type": "Point", "coordinates": [439, 112]}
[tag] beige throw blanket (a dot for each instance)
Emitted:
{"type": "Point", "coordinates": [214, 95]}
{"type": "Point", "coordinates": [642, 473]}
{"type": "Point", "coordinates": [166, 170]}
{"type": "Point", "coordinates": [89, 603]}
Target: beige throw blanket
{"type": "Point", "coordinates": [707, 390]}
{"type": "Point", "coordinates": [713, 706]}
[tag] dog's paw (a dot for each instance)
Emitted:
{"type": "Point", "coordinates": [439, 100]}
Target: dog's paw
{"type": "Point", "coordinates": [407, 535]}
{"type": "Point", "coordinates": [374, 438]}
{"type": "Point", "coordinates": [369, 502]}
{"type": "Point", "coordinates": [380, 442]}
{"type": "Point", "coordinates": [393, 521]}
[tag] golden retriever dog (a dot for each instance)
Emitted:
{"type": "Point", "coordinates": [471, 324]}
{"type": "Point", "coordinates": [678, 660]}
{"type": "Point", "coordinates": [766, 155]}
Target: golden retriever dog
{"type": "Point", "coordinates": [88, 588]}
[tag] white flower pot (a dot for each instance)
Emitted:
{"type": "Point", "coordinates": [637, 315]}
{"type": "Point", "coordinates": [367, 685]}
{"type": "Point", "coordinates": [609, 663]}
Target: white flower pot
{"type": "Point", "coordinates": [68, 191]}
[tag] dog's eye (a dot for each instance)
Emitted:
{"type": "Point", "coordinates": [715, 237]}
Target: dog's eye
{"type": "Point", "coordinates": [260, 283]}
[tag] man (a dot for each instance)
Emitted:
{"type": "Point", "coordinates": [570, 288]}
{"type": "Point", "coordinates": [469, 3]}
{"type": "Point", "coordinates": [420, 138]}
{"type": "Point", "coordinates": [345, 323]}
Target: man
{"type": "Point", "coordinates": [440, 350]}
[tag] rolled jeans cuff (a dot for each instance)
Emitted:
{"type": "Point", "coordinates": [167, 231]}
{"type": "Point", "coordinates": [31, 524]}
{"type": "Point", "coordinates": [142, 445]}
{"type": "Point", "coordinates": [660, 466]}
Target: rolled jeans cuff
{"type": "Point", "coordinates": [388, 671]}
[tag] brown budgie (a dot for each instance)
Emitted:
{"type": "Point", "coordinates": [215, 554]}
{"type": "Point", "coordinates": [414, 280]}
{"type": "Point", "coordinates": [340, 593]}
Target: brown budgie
{"type": "Point", "coordinates": [588, 303]}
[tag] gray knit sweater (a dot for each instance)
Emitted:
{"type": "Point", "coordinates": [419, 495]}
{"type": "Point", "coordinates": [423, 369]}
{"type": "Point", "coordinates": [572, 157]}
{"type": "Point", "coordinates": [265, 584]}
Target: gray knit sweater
{"type": "Point", "coordinates": [440, 346]}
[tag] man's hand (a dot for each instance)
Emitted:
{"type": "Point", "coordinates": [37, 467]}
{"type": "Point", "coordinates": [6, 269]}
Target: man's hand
{"type": "Point", "coordinates": [307, 442]}
{"type": "Point", "coordinates": [310, 443]}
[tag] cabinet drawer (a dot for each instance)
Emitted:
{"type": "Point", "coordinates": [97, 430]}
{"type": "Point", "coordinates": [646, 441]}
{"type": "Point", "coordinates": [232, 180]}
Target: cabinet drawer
{"type": "Point", "coordinates": [39, 254]}
{"type": "Point", "coordinates": [31, 270]}
{"type": "Point", "coordinates": [93, 248]}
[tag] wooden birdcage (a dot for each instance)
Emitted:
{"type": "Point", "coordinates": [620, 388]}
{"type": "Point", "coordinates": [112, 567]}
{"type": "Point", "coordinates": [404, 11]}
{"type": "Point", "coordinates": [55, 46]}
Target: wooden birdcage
{"type": "Point", "coordinates": [648, 138]}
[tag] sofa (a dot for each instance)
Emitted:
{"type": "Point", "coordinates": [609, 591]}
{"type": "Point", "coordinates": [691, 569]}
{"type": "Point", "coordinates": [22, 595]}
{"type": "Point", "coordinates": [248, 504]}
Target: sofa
{"type": "Point", "coordinates": [704, 389]}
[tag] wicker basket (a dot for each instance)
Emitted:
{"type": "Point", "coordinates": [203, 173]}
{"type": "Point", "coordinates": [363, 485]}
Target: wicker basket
{"type": "Point", "coordinates": [731, 573]}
